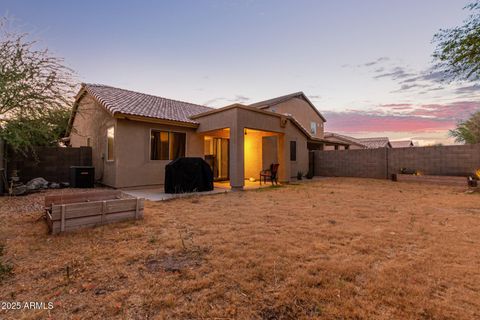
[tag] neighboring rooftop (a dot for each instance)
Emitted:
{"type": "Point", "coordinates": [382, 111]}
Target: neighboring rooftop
{"type": "Point", "coordinates": [121, 101]}
{"type": "Point", "coordinates": [345, 138]}
{"type": "Point", "coordinates": [402, 144]}
{"type": "Point", "coordinates": [376, 142]}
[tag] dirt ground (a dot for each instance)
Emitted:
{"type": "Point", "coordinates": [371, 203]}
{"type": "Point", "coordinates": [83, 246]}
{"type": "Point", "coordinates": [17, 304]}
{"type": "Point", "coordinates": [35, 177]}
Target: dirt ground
{"type": "Point", "coordinates": [338, 248]}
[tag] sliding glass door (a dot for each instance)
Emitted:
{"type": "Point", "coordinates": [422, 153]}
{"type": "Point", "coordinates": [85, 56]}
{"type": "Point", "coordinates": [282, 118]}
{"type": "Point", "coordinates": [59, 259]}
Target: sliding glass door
{"type": "Point", "coordinates": [216, 154]}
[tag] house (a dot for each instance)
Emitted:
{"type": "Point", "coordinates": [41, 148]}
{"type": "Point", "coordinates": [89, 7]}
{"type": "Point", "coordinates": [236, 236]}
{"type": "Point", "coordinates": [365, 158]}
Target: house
{"type": "Point", "coordinates": [135, 135]}
{"type": "Point", "coordinates": [376, 142]}
{"type": "Point", "coordinates": [402, 144]}
{"type": "Point", "coordinates": [353, 143]}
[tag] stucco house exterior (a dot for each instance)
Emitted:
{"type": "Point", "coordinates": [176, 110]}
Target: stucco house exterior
{"type": "Point", "coordinates": [134, 135]}
{"type": "Point", "coordinates": [355, 143]}
{"type": "Point", "coordinates": [376, 142]}
{"type": "Point", "coordinates": [402, 144]}
{"type": "Point", "coordinates": [352, 143]}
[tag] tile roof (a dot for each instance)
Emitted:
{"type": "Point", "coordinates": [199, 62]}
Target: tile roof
{"type": "Point", "coordinates": [377, 142]}
{"type": "Point", "coordinates": [121, 101]}
{"type": "Point", "coordinates": [274, 101]}
{"type": "Point", "coordinates": [402, 144]}
{"type": "Point", "coordinates": [271, 102]}
{"type": "Point", "coordinates": [352, 140]}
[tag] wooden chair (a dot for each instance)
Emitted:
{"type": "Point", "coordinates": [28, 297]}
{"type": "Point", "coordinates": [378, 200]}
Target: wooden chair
{"type": "Point", "coordinates": [271, 173]}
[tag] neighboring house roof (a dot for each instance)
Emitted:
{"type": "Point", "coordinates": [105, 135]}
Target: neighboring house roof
{"type": "Point", "coordinates": [121, 101]}
{"type": "Point", "coordinates": [402, 144]}
{"type": "Point", "coordinates": [348, 139]}
{"type": "Point", "coordinates": [272, 102]}
{"type": "Point", "coordinates": [377, 142]}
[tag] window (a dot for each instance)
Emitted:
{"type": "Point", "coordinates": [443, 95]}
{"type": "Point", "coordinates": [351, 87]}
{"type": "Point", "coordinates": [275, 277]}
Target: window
{"type": "Point", "coordinates": [177, 145]}
{"type": "Point", "coordinates": [293, 150]}
{"type": "Point", "coordinates": [166, 145]}
{"type": "Point", "coordinates": [159, 145]}
{"type": "Point", "coordinates": [313, 127]}
{"type": "Point", "coordinates": [110, 142]}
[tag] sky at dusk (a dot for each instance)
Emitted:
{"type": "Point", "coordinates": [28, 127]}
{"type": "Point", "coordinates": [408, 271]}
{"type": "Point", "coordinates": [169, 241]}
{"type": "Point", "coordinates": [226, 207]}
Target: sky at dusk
{"type": "Point", "coordinates": [366, 65]}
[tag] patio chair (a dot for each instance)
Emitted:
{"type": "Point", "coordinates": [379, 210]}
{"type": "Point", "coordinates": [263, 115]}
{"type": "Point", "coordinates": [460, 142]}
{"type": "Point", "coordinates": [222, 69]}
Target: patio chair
{"type": "Point", "coordinates": [271, 174]}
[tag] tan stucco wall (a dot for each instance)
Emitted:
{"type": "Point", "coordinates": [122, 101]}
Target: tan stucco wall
{"type": "Point", "coordinates": [302, 112]}
{"type": "Point", "coordinates": [134, 167]}
{"type": "Point", "coordinates": [253, 154]}
{"type": "Point", "coordinates": [91, 123]}
{"type": "Point", "coordinates": [259, 153]}
{"type": "Point", "coordinates": [238, 119]}
{"type": "Point", "coordinates": [351, 147]}
{"type": "Point", "coordinates": [292, 133]}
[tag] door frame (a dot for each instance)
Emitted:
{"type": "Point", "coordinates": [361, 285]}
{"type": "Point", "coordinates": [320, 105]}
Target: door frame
{"type": "Point", "coordinates": [215, 139]}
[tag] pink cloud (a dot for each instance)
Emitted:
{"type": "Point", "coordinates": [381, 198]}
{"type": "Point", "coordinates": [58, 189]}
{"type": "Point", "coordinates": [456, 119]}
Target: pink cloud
{"type": "Point", "coordinates": [401, 118]}
{"type": "Point", "coordinates": [352, 123]}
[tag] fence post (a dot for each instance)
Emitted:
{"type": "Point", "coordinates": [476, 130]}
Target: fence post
{"type": "Point", "coordinates": [62, 224]}
{"type": "Point", "coordinates": [104, 211]}
{"type": "Point", "coordinates": [137, 207]}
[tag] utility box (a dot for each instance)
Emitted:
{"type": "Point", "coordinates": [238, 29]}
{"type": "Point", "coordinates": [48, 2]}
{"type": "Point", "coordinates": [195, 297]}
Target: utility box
{"type": "Point", "coordinates": [82, 176]}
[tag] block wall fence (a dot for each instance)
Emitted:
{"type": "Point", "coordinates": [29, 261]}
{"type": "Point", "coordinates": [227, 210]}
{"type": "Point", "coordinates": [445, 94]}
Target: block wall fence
{"type": "Point", "coordinates": [461, 160]}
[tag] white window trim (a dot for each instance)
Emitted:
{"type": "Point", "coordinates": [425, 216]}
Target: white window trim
{"type": "Point", "coordinates": [169, 131]}
{"type": "Point", "coordinates": [313, 127]}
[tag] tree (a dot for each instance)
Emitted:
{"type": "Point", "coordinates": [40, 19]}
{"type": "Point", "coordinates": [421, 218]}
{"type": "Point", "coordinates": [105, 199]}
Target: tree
{"type": "Point", "coordinates": [468, 131]}
{"type": "Point", "coordinates": [458, 49]}
{"type": "Point", "coordinates": [36, 90]}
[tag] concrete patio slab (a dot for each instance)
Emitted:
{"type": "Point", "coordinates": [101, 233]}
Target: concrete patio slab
{"type": "Point", "coordinates": [158, 194]}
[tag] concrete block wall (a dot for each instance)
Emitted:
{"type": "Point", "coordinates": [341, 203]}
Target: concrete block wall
{"type": "Point", "coordinates": [364, 163]}
{"type": "Point", "coordinates": [50, 163]}
{"type": "Point", "coordinates": [461, 160]}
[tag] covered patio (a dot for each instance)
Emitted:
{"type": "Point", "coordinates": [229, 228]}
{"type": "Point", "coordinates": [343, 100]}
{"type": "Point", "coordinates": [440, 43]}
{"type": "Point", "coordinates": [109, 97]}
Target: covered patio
{"type": "Point", "coordinates": [254, 139]}
{"type": "Point", "coordinates": [260, 150]}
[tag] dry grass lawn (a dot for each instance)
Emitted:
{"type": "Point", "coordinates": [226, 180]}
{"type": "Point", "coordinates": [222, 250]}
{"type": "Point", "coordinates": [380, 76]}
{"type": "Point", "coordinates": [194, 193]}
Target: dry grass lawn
{"type": "Point", "coordinates": [334, 249]}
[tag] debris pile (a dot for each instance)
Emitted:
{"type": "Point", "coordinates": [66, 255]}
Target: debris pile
{"type": "Point", "coordinates": [17, 188]}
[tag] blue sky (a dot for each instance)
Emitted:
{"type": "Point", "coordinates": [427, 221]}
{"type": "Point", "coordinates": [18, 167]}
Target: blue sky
{"type": "Point", "coordinates": [365, 64]}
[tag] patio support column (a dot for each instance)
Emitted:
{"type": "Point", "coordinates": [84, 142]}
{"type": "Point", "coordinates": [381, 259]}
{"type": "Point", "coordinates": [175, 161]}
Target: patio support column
{"type": "Point", "coordinates": [237, 160]}
{"type": "Point", "coordinates": [283, 159]}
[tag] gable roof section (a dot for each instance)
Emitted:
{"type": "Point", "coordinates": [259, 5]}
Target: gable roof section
{"type": "Point", "coordinates": [143, 106]}
{"type": "Point", "coordinates": [377, 142]}
{"type": "Point", "coordinates": [402, 144]}
{"type": "Point", "coordinates": [254, 109]}
{"type": "Point", "coordinates": [127, 102]}
{"type": "Point", "coordinates": [344, 138]}
{"type": "Point", "coordinates": [272, 102]}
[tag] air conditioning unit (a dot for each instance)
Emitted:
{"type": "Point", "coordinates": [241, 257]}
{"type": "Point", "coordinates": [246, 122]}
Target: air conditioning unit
{"type": "Point", "coordinates": [82, 176]}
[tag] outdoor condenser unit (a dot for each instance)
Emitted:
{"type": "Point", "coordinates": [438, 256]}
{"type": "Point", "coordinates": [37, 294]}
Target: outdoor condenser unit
{"type": "Point", "coordinates": [82, 176]}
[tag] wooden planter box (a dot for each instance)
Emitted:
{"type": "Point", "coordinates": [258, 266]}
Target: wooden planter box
{"type": "Point", "coordinates": [88, 209]}
{"type": "Point", "coordinates": [439, 180]}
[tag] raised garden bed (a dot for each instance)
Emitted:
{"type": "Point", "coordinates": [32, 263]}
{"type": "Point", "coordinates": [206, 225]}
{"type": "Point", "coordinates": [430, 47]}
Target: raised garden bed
{"type": "Point", "coordinates": [440, 180]}
{"type": "Point", "coordinates": [88, 209]}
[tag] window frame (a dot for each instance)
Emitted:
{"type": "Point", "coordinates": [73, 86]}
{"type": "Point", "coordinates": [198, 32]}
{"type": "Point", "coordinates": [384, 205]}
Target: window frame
{"type": "Point", "coordinates": [150, 144]}
{"type": "Point", "coordinates": [313, 127]}
{"type": "Point", "coordinates": [293, 151]}
{"type": "Point", "coordinates": [169, 141]}
{"type": "Point", "coordinates": [113, 145]}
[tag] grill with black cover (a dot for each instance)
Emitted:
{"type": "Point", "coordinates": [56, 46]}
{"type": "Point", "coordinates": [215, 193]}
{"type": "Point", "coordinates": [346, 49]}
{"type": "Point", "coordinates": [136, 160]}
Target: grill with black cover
{"type": "Point", "coordinates": [188, 175]}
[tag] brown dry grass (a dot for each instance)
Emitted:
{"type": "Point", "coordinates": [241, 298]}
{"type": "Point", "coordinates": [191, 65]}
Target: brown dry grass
{"type": "Point", "coordinates": [334, 249]}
